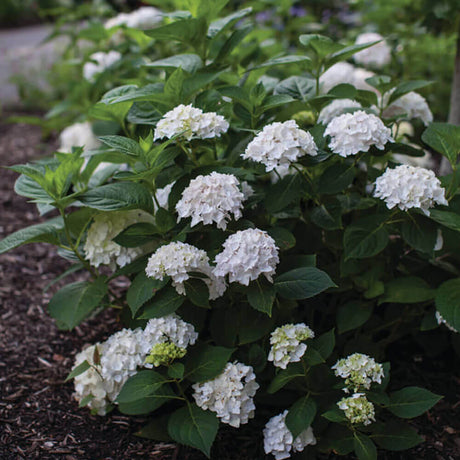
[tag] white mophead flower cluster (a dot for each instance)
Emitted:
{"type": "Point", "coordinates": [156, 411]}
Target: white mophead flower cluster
{"type": "Point", "coordinates": [358, 409]}
{"type": "Point", "coordinates": [343, 72]}
{"type": "Point", "coordinates": [247, 254]}
{"type": "Point", "coordinates": [99, 247]}
{"type": "Point", "coordinates": [441, 320]}
{"type": "Point", "coordinates": [143, 18]}
{"type": "Point", "coordinates": [336, 108]}
{"type": "Point", "coordinates": [211, 198]}
{"type": "Point", "coordinates": [171, 329]}
{"type": "Point", "coordinates": [357, 132]}
{"type": "Point", "coordinates": [359, 371]}
{"type": "Point", "coordinates": [280, 144]}
{"type": "Point", "coordinates": [412, 105]}
{"type": "Point", "coordinates": [189, 122]}
{"type": "Point", "coordinates": [176, 260]}
{"type": "Point", "coordinates": [78, 135]}
{"type": "Point", "coordinates": [286, 344]}
{"type": "Point", "coordinates": [410, 187]}
{"type": "Point", "coordinates": [229, 395]}
{"type": "Point", "coordinates": [102, 61]}
{"type": "Point", "coordinates": [377, 55]}
{"type": "Point", "coordinates": [279, 441]}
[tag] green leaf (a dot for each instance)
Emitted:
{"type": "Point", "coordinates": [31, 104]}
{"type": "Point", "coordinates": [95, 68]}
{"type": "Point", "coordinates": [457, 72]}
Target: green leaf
{"type": "Point", "coordinates": [283, 377]}
{"type": "Point", "coordinates": [71, 304]}
{"type": "Point", "coordinates": [39, 233]}
{"type": "Point", "coordinates": [176, 371]}
{"type": "Point", "coordinates": [284, 60]}
{"type": "Point", "coordinates": [188, 62]}
{"type": "Point", "coordinates": [219, 25]}
{"type": "Point", "coordinates": [364, 447]}
{"type": "Point", "coordinates": [148, 403]}
{"type": "Point", "coordinates": [141, 290]}
{"type": "Point", "coordinates": [448, 302]}
{"type": "Point", "coordinates": [335, 415]}
{"type": "Point", "coordinates": [284, 239]}
{"type": "Point", "coordinates": [165, 303]}
{"type": "Point", "coordinates": [136, 235]}
{"type": "Point", "coordinates": [301, 415]}
{"type": "Point", "coordinates": [352, 315]}
{"type": "Point", "coordinates": [140, 385]}
{"type": "Point", "coordinates": [319, 349]}
{"type": "Point", "coordinates": [86, 400]}
{"type": "Point", "coordinates": [327, 216]}
{"type": "Point", "coordinates": [83, 367]}
{"type": "Point", "coordinates": [194, 427]}
{"type": "Point", "coordinates": [174, 84]}
{"type": "Point", "coordinates": [396, 436]}
{"type": "Point", "coordinates": [122, 144]}
{"type": "Point", "coordinates": [232, 42]}
{"type": "Point", "coordinates": [408, 289]}
{"type": "Point", "coordinates": [420, 233]}
{"type": "Point", "coordinates": [336, 178]}
{"type": "Point", "coordinates": [320, 44]}
{"type": "Point", "coordinates": [284, 192]}
{"type": "Point", "coordinates": [164, 220]}
{"type": "Point", "coordinates": [347, 52]}
{"type": "Point", "coordinates": [411, 402]}
{"type": "Point", "coordinates": [197, 292]}
{"type": "Point", "coordinates": [445, 139]}
{"type": "Point", "coordinates": [447, 218]}
{"type": "Point", "coordinates": [365, 238]}
{"type": "Point", "coordinates": [297, 87]}
{"type": "Point", "coordinates": [186, 30]}
{"type": "Point", "coordinates": [156, 429]}
{"type": "Point", "coordinates": [204, 362]}
{"type": "Point", "coordinates": [407, 87]}
{"type": "Point", "coordinates": [119, 196]}
{"type": "Point", "coordinates": [303, 283]}
{"type": "Point", "coordinates": [261, 296]}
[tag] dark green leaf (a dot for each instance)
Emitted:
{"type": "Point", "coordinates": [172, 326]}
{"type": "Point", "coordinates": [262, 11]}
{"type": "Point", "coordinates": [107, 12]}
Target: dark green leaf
{"type": "Point", "coordinates": [365, 238]}
{"type": "Point", "coordinates": [188, 62]}
{"type": "Point", "coordinates": [83, 367]}
{"type": "Point", "coordinates": [123, 145]}
{"type": "Point", "coordinates": [420, 233]}
{"type": "Point", "coordinates": [284, 239]}
{"type": "Point", "coordinates": [284, 192]}
{"type": "Point", "coordinates": [301, 415]}
{"type": "Point", "coordinates": [283, 377]}
{"type": "Point", "coordinates": [447, 218]}
{"type": "Point", "coordinates": [141, 290]}
{"type": "Point", "coordinates": [197, 292]}
{"type": "Point", "coordinates": [445, 139]}
{"type": "Point", "coordinates": [396, 436]}
{"type": "Point", "coordinates": [352, 315]}
{"type": "Point", "coordinates": [408, 289]}
{"type": "Point", "coordinates": [136, 235]}
{"type": "Point", "coordinates": [261, 296]}
{"type": "Point", "coordinates": [364, 447]}
{"type": "Point", "coordinates": [204, 362]}
{"type": "Point", "coordinates": [140, 385]}
{"type": "Point", "coordinates": [319, 349]}
{"type": "Point", "coordinates": [148, 403]}
{"type": "Point", "coordinates": [448, 302]}
{"type": "Point", "coordinates": [296, 87]}
{"type": "Point", "coordinates": [165, 303]}
{"type": "Point", "coordinates": [411, 402]}
{"type": "Point", "coordinates": [336, 178]}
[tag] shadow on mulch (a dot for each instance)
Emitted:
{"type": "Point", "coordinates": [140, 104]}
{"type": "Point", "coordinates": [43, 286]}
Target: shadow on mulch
{"type": "Point", "coordinates": [38, 417]}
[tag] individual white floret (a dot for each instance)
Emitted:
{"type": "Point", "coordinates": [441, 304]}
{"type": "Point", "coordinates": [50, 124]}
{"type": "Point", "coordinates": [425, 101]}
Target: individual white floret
{"type": "Point", "coordinates": [190, 122]}
{"type": "Point", "coordinates": [339, 73]}
{"type": "Point", "coordinates": [411, 105]}
{"type": "Point", "coordinates": [99, 247]}
{"type": "Point", "coordinates": [90, 383]}
{"type": "Point", "coordinates": [336, 108]}
{"type": "Point", "coordinates": [102, 61]}
{"type": "Point", "coordinates": [410, 187]}
{"type": "Point", "coordinates": [278, 440]}
{"type": "Point", "coordinates": [286, 344]}
{"type": "Point", "coordinates": [441, 320]}
{"type": "Point", "coordinates": [357, 132]}
{"type": "Point", "coordinates": [359, 371]}
{"type": "Point", "coordinates": [377, 55]}
{"type": "Point", "coordinates": [176, 260]}
{"type": "Point", "coordinates": [280, 144]}
{"type": "Point", "coordinates": [212, 198]}
{"type": "Point", "coordinates": [229, 395]}
{"type": "Point", "coordinates": [247, 254]}
{"type": "Point", "coordinates": [358, 409]}
{"type": "Point", "coordinates": [78, 135]}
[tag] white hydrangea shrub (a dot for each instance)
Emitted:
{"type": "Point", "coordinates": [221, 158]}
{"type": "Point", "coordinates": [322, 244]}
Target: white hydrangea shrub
{"type": "Point", "coordinates": [358, 409]}
{"type": "Point", "coordinates": [190, 122]}
{"type": "Point", "coordinates": [410, 187]}
{"type": "Point", "coordinates": [280, 144]}
{"type": "Point", "coordinates": [335, 108]}
{"type": "Point", "coordinates": [378, 55]}
{"type": "Point", "coordinates": [102, 61]}
{"type": "Point", "coordinates": [286, 344]}
{"type": "Point", "coordinates": [229, 395]}
{"type": "Point", "coordinates": [247, 254]}
{"type": "Point", "coordinates": [356, 132]}
{"type": "Point", "coordinates": [279, 441]}
{"type": "Point", "coordinates": [100, 249]}
{"type": "Point", "coordinates": [211, 199]}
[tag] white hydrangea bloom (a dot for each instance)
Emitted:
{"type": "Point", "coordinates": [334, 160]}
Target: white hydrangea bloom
{"type": "Point", "coordinates": [441, 320]}
{"type": "Point", "coordinates": [357, 132]}
{"type": "Point", "coordinates": [145, 18]}
{"type": "Point", "coordinates": [102, 62]}
{"type": "Point", "coordinates": [90, 382]}
{"type": "Point", "coordinates": [377, 55]}
{"type": "Point", "coordinates": [211, 198]}
{"type": "Point", "coordinates": [247, 190]}
{"type": "Point", "coordinates": [280, 144]}
{"type": "Point", "coordinates": [426, 161]}
{"type": "Point", "coordinates": [190, 122]}
{"type": "Point", "coordinates": [335, 108]}
{"type": "Point", "coordinates": [339, 73]}
{"type": "Point", "coordinates": [176, 259]}
{"type": "Point", "coordinates": [359, 371]}
{"type": "Point", "coordinates": [162, 196]}
{"type": "Point", "coordinates": [121, 356]}
{"type": "Point", "coordinates": [99, 247]}
{"type": "Point", "coordinates": [287, 346]}
{"type": "Point", "coordinates": [358, 409]}
{"type": "Point", "coordinates": [229, 395]}
{"type": "Point", "coordinates": [279, 441]}
{"type": "Point", "coordinates": [118, 20]}
{"type": "Point", "coordinates": [78, 135]}
{"type": "Point", "coordinates": [410, 187]}
{"type": "Point", "coordinates": [359, 79]}
{"type": "Point", "coordinates": [247, 254]}
{"type": "Point", "coordinates": [412, 105]}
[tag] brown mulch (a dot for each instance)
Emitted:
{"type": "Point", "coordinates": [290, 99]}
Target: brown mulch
{"type": "Point", "coordinates": [38, 417]}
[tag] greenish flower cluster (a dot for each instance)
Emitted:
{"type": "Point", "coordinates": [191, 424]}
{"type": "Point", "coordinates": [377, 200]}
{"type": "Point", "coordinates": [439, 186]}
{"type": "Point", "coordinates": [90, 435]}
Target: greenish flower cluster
{"type": "Point", "coordinates": [164, 353]}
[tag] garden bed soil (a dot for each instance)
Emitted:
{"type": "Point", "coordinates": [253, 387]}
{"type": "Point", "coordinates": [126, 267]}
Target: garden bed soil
{"type": "Point", "coordinates": [38, 417]}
